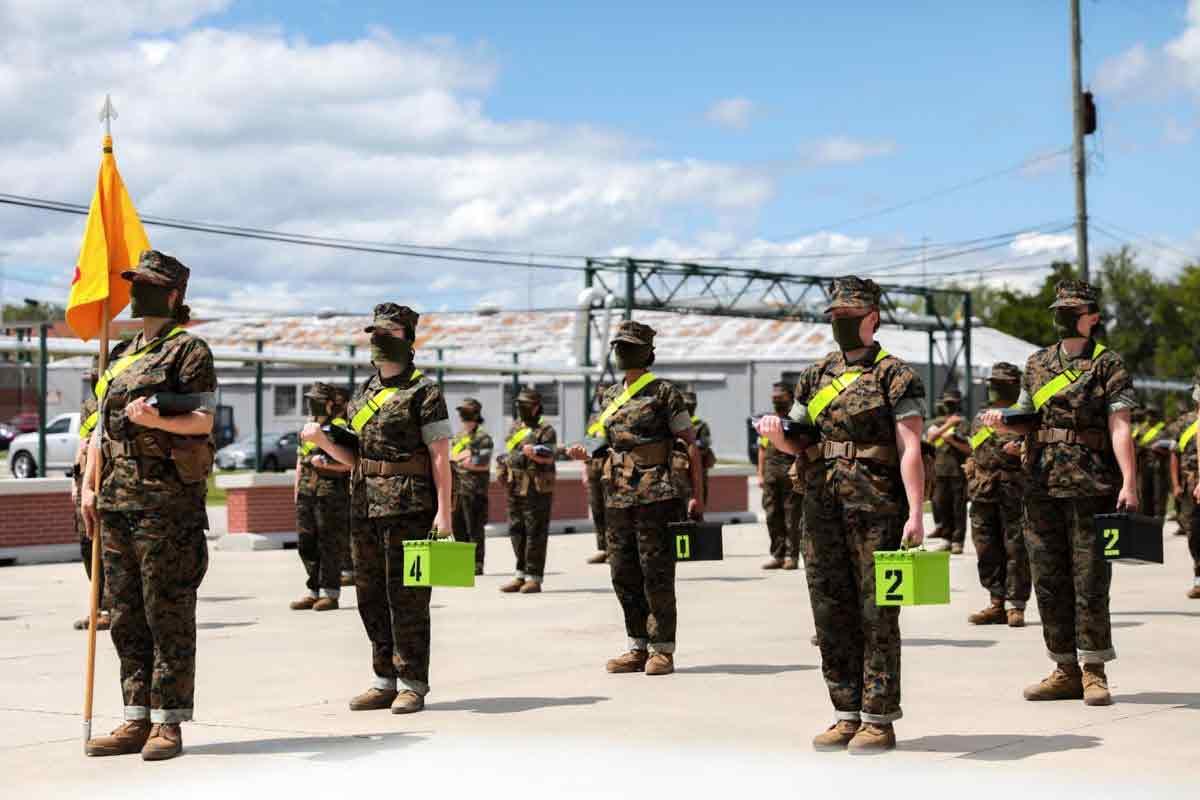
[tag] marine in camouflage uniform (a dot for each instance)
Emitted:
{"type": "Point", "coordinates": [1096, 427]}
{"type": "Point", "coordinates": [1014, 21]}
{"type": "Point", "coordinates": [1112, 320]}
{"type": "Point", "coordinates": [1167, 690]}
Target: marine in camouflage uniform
{"type": "Point", "coordinates": [400, 490]}
{"type": "Point", "coordinates": [948, 435]}
{"type": "Point", "coordinates": [322, 509]}
{"type": "Point", "coordinates": [643, 498]}
{"type": "Point", "coordinates": [1185, 481]}
{"type": "Point", "coordinates": [471, 454]}
{"type": "Point", "coordinates": [529, 474]}
{"type": "Point", "coordinates": [994, 484]}
{"type": "Point", "coordinates": [346, 556]}
{"type": "Point", "coordinates": [857, 501]}
{"type": "Point", "coordinates": [780, 502]}
{"type": "Point", "coordinates": [1153, 465]}
{"type": "Point", "coordinates": [1073, 474]}
{"type": "Point", "coordinates": [152, 509]}
{"type": "Point", "coordinates": [593, 475]}
{"type": "Point", "coordinates": [88, 417]}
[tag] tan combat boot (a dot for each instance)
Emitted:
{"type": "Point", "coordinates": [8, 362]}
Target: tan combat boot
{"type": "Point", "coordinates": [165, 742]}
{"type": "Point", "coordinates": [513, 586]}
{"type": "Point", "coordinates": [408, 702]}
{"type": "Point", "coordinates": [1065, 683]}
{"type": "Point", "coordinates": [633, 661]}
{"type": "Point", "coordinates": [1016, 618]}
{"type": "Point", "coordinates": [992, 615]}
{"type": "Point", "coordinates": [773, 563]}
{"type": "Point", "coordinates": [303, 604]}
{"type": "Point", "coordinates": [129, 738]}
{"type": "Point", "coordinates": [598, 558]}
{"type": "Point", "coordinates": [1095, 686]}
{"type": "Point", "coordinates": [660, 664]}
{"type": "Point", "coordinates": [326, 604]}
{"type": "Point", "coordinates": [956, 548]}
{"type": "Point", "coordinates": [532, 587]}
{"type": "Point", "coordinates": [790, 564]}
{"type": "Point", "coordinates": [837, 736]}
{"type": "Point", "coordinates": [1194, 592]}
{"type": "Point", "coordinates": [872, 739]}
{"type": "Point", "coordinates": [347, 579]}
{"type": "Point", "coordinates": [103, 622]}
{"type": "Point", "coordinates": [373, 699]}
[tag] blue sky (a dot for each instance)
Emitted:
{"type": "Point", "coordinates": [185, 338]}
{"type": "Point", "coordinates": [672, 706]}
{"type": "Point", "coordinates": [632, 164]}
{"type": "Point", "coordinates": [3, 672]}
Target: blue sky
{"type": "Point", "coordinates": [674, 130]}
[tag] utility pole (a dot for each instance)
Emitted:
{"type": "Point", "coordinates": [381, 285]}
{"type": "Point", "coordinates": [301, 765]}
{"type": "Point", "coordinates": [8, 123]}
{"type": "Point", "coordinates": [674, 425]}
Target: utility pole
{"type": "Point", "coordinates": [1080, 155]}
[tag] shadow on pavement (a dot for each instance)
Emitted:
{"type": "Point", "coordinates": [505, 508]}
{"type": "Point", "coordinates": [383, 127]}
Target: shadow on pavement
{"type": "Point", "coordinates": [999, 747]}
{"type": "Point", "coordinates": [1155, 614]}
{"type": "Point", "coordinates": [720, 578]}
{"type": "Point", "coordinates": [513, 705]}
{"type": "Point", "coordinates": [211, 626]}
{"type": "Point", "coordinates": [1181, 699]}
{"type": "Point", "coordinates": [224, 598]}
{"type": "Point", "coordinates": [949, 643]}
{"type": "Point", "coordinates": [1127, 624]}
{"type": "Point", "coordinates": [746, 669]}
{"type": "Point", "coordinates": [316, 748]}
{"type": "Point", "coordinates": [607, 591]}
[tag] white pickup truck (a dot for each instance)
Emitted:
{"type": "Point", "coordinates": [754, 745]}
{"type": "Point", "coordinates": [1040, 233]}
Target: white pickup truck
{"type": "Point", "coordinates": [62, 440]}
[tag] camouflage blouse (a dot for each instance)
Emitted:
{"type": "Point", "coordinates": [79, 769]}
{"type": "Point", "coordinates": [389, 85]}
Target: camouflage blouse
{"type": "Point", "coordinates": [866, 414]}
{"type": "Point", "coordinates": [469, 482]}
{"type": "Point", "coordinates": [1076, 470]}
{"type": "Point", "coordinates": [993, 474]}
{"type": "Point", "coordinates": [182, 364]}
{"type": "Point", "coordinates": [525, 474]}
{"type": "Point", "coordinates": [313, 483]}
{"type": "Point", "coordinates": [1189, 469]}
{"type": "Point", "coordinates": [656, 414]}
{"type": "Point", "coordinates": [776, 462]}
{"type": "Point", "coordinates": [404, 427]}
{"type": "Point", "coordinates": [947, 459]}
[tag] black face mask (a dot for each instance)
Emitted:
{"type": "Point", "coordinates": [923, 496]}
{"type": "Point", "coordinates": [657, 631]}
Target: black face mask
{"type": "Point", "coordinates": [1066, 323]}
{"type": "Point", "coordinates": [846, 333]}
{"type": "Point", "coordinates": [1003, 393]}
{"type": "Point", "coordinates": [148, 300]}
{"type": "Point", "coordinates": [951, 407]}
{"type": "Point", "coordinates": [528, 414]}
{"type": "Point", "coordinates": [385, 347]}
{"type": "Point", "coordinates": [317, 408]}
{"type": "Point", "coordinates": [632, 356]}
{"type": "Point", "coordinates": [781, 406]}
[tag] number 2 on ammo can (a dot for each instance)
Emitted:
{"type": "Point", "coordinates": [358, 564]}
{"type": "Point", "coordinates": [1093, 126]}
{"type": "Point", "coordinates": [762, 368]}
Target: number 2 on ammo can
{"type": "Point", "coordinates": [683, 547]}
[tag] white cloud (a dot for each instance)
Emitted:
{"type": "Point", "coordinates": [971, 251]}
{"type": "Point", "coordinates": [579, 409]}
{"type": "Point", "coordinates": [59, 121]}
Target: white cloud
{"type": "Point", "coordinates": [734, 113]}
{"type": "Point", "coordinates": [1060, 245]}
{"type": "Point", "coordinates": [844, 150]}
{"type": "Point", "coordinates": [1124, 72]}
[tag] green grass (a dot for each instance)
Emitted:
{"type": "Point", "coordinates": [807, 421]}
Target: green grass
{"type": "Point", "coordinates": [216, 495]}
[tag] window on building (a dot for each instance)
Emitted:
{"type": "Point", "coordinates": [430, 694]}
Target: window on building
{"type": "Point", "coordinates": [285, 401]}
{"type": "Point", "coordinates": [549, 393]}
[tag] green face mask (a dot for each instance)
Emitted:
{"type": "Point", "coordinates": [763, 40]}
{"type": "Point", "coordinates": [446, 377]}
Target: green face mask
{"type": "Point", "coordinates": [385, 347]}
{"type": "Point", "coordinates": [846, 333]}
{"type": "Point", "coordinates": [1003, 395]}
{"type": "Point", "coordinates": [148, 300]}
{"type": "Point", "coordinates": [1066, 323]}
{"type": "Point", "coordinates": [631, 356]}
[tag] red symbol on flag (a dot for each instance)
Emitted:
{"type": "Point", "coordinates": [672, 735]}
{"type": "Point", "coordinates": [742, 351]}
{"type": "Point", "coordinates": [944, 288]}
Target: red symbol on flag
{"type": "Point", "coordinates": [78, 275]}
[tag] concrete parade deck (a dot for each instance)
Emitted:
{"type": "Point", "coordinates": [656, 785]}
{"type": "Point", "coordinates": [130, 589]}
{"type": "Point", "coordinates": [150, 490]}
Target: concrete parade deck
{"type": "Point", "coordinates": [521, 704]}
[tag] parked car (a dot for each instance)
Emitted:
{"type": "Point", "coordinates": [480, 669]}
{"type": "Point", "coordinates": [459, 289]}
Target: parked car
{"type": "Point", "coordinates": [25, 422]}
{"type": "Point", "coordinates": [278, 453]}
{"type": "Point", "coordinates": [62, 441]}
{"type": "Point", "coordinates": [7, 434]}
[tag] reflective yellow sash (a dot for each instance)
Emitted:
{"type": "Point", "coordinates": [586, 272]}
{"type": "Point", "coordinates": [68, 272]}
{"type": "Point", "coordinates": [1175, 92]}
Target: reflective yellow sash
{"type": "Point", "coordinates": [981, 436]}
{"type": "Point", "coordinates": [597, 427]}
{"type": "Point", "coordinates": [1149, 435]}
{"type": "Point", "coordinates": [375, 403]}
{"type": "Point", "coordinates": [1137, 430]}
{"type": "Point", "coordinates": [823, 398]}
{"type": "Point", "coordinates": [120, 365]}
{"type": "Point", "coordinates": [764, 442]}
{"type": "Point", "coordinates": [460, 443]}
{"type": "Point", "coordinates": [519, 436]}
{"type": "Point", "coordinates": [1061, 381]}
{"type": "Point", "coordinates": [1188, 435]}
{"type": "Point", "coordinates": [308, 447]}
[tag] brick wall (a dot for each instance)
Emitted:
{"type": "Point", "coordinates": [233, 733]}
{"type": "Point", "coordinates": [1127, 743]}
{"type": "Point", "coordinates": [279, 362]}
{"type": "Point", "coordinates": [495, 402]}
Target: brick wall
{"type": "Point", "coordinates": [37, 515]}
{"type": "Point", "coordinates": [261, 509]}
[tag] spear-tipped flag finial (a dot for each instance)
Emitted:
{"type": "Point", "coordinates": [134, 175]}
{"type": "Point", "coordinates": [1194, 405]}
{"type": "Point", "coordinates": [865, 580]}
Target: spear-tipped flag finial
{"type": "Point", "coordinates": [108, 114]}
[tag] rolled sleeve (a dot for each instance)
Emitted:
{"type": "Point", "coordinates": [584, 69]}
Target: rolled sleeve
{"type": "Point", "coordinates": [908, 407]}
{"type": "Point", "coordinates": [799, 412]}
{"type": "Point", "coordinates": [1125, 400]}
{"type": "Point", "coordinates": [681, 422]}
{"type": "Point", "coordinates": [436, 431]}
{"type": "Point", "coordinates": [1024, 403]}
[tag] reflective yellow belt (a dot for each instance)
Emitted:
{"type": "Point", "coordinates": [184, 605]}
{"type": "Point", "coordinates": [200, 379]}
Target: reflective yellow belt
{"type": "Point", "coordinates": [597, 427]}
{"type": "Point", "coordinates": [120, 365]}
{"type": "Point", "coordinates": [460, 443]}
{"type": "Point", "coordinates": [1061, 381]}
{"type": "Point", "coordinates": [376, 402]}
{"type": "Point", "coordinates": [841, 383]}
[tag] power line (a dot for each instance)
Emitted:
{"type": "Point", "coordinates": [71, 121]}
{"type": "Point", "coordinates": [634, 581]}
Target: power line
{"type": "Point", "coordinates": [1138, 236]}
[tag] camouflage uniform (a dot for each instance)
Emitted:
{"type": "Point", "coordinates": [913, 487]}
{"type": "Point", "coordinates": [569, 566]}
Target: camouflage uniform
{"type": "Point", "coordinates": [594, 469]}
{"type": "Point", "coordinates": [471, 487]}
{"type": "Point", "coordinates": [995, 487]}
{"type": "Point", "coordinates": [854, 506]}
{"type": "Point", "coordinates": [155, 552]}
{"type": "Point", "coordinates": [780, 502]}
{"type": "Point", "coordinates": [322, 513]}
{"type": "Point", "coordinates": [85, 544]}
{"type": "Point", "coordinates": [1153, 481]}
{"type": "Point", "coordinates": [1069, 482]}
{"type": "Point", "coordinates": [950, 486]}
{"type": "Point", "coordinates": [391, 508]}
{"type": "Point", "coordinates": [530, 493]}
{"type": "Point", "coordinates": [345, 556]}
{"type": "Point", "coordinates": [642, 499]}
{"type": "Point", "coordinates": [1189, 474]}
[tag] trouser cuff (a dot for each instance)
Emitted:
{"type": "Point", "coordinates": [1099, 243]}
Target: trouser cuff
{"type": "Point", "coordinates": [332, 594]}
{"type": "Point", "coordinates": [385, 684]}
{"type": "Point", "coordinates": [666, 648]}
{"type": "Point", "coordinates": [1017, 604]}
{"type": "Point", "coordinates": [534, 579]}
{"type": "Point", "coordinates": [519, 575]}
{"type": "Point", "coordinates": [637, 644]}
{"type": "Point", "coordinates": [882, 719]}
{"type": "Point", "coordinates": [136, 713]}
{"type": "Point", "coordinates": [1063, 658]}
{"type": "Point", "coordinates": [170, 716]}
{"type": "Point", "coordinates": [1097, 656]}
{"type": "Point", "coordinates": [420, 687]}
{"type": "Point", "coordinates": [1196, 580]}
{"type": "Point", "coordinates": [313, 593]}
{"type": "Point", "coordinates": [848, 716]}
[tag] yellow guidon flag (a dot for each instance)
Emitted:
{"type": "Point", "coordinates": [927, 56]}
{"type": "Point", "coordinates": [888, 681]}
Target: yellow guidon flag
{"type": "Point", "coordinates": [113, 241]}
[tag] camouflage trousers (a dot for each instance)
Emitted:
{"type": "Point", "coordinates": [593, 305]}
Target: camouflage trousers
{"type": "Point", "coordinates": [950, 508]}
{"type": "Point", "coordinates": [1153, 485]}
{"type": "Point", "coordinates": [1187, 509]}
{"type": "Point", "coordinates": [85, 552]}
{"type": "Point", "coordinates": [998, 531]}
{"type": "Point", "coordinates": [595, 489]}
{"type": "Point", "coordinates": [470, 517]}
{"type": "Point", "coordinates": [641, 560]}
{"type": "Point", "coordinates": [395, 617]}
{"type": "Point", "coordinates": [782, 507]}
{"type": "Point", "coordinates": [859, 641]}
{"type": "Point", "coordinates": [320, 523]}
{"type": "Point", "coordinates": [345, 552]}
{"type": "Point", "coordinates": [1071, 580]}
{"type": "Point", "coordinates": [1193, 532]}
{"type": "Point", "coordinates": [529, 531]}
{"type": "Point", "coordinates": [153, 565]}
